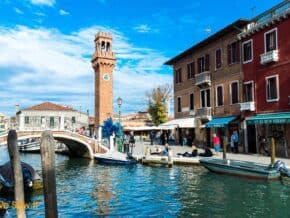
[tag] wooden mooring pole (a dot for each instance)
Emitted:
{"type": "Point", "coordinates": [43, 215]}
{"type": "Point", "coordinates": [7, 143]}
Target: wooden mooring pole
{"type": "Point", "coordinates": [48, 173]}
{"type": "Point", "coordinates": [273, 154]}
{"type": "Point", "coordinates": [17, 173]}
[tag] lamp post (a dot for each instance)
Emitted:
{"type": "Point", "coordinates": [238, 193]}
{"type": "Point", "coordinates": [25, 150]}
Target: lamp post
{"type": "Point", "coordinates": [119, 101]}
{"type": "Point", "coordinates": [120, 143]}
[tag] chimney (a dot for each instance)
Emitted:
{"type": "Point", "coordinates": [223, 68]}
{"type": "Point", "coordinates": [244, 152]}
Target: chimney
{"type": "Point", "coordinates": [16, 108]}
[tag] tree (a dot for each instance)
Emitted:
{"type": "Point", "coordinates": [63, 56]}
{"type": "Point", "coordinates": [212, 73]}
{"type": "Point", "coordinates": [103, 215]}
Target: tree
{"type": "Point", "coordinates": [157, 99]}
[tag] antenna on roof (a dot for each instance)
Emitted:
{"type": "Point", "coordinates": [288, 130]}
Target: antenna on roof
{"type": "Point", "coordinates": [253, 11]}
{"type": "Point", "coordinates": [208, 30]}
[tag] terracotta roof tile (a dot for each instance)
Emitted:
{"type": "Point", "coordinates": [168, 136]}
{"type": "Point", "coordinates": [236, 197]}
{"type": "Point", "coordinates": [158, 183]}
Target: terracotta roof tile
{"type": "Point", "coordinates": [48, 106]}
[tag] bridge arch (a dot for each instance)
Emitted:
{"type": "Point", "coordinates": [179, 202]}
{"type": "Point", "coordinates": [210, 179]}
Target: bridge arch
{"type": "Point", "coordinates": [78, 145]}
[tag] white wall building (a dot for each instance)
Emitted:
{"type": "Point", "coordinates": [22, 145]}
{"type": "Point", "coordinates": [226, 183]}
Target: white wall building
{"type": "Point", "coordinates": [3, 123]}
{"type": "Point", "coordinates": [51, 116]}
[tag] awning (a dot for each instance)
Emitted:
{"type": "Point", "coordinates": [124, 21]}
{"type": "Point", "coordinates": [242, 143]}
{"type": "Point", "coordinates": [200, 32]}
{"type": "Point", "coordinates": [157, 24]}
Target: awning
{"type": "Point", "coordinates": [273, 118]}
{"type": "Point", "coordinates": [219, 121]}
{"type": "Point", "coordinates": [179, 123]}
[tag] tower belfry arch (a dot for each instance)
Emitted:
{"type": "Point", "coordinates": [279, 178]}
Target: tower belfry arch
{"type": "Point", "coordinates": [103, 62]}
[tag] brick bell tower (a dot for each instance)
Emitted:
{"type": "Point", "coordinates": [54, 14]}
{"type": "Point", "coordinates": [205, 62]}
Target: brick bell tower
{"type": "Point", "coordinates": [103, 62]}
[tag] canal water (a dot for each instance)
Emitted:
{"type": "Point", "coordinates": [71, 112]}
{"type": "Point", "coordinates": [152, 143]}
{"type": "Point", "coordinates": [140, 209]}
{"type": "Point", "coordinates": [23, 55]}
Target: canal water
{"type": "Point", "coordinates": [86, 189]}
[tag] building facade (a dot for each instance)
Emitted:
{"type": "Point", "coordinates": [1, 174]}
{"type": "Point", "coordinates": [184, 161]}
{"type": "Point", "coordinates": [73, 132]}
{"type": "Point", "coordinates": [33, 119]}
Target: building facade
{"type": "Point", "coordinates": [207, 84]}
{"type": "Point", "coordinates": [51, 116]}
{"type": "Point", "coordinates": [266, 67]}
{"type": "Point", "coordinates": [4, 123]}
{"type": "Point", "coordinates": [103, 62]}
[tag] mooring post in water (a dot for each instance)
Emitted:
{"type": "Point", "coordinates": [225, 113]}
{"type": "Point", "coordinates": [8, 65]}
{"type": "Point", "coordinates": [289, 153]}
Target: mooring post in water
{"type": "Point", "coordinates": [48, 173]}
{"type": "Point", "coordinates": [170, 157]}
{"type": "Point", "coordinates": [273, 154]}
{"type": "Point", "coordinates": [17, 173]}
{"type": "Point", "coordinates": [224, 151]}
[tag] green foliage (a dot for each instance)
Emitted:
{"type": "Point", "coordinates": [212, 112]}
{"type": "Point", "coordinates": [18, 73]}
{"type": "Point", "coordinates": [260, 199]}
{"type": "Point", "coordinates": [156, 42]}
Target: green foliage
{"type": "Point", "coordinates": [157, 103]}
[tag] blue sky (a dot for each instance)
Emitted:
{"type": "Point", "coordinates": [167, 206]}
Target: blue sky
{"type": "Point", "coordinates": [46, 45]}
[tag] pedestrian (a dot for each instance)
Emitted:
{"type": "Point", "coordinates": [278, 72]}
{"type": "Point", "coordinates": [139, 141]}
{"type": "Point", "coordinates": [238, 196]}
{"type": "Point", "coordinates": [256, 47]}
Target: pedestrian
{"type": "Point", "coordinates": [216, 143]}
{"type": "Point", "coordinates": [126, 142]}
{"type": "Point", "coordinates": [262, 146]}
{"type": "Point", "coordinates": [132, 141]}
{"type": "Point", "coordinates": [162, 138]}
{"type": "Point", "coordinates": [152, 137]}
{"type": "Point", "coordinates": [235, 142]}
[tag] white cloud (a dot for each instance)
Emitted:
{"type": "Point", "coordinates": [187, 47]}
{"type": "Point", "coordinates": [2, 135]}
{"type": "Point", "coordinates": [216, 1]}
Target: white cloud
{"type": "Point", "coordinates": [18, 11]}
{"type": "Point", "coordinates": [143, 28]}
{"type": "Point", "coordinates": [63, 12]}
{"type": "Point", "coordinates": [46, 65]}
{"type": "Point", "coordinates": [49, 3]}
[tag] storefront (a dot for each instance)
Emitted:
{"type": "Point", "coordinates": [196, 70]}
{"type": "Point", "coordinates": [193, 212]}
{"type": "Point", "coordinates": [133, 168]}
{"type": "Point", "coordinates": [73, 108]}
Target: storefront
{"type": "Point", "coordinates": [183, 130]}
{"type": "Point", "coordinates": [276, 125]}
{"type": "Point", "coordinates": [223, 127]}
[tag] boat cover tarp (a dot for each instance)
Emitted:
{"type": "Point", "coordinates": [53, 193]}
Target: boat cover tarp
{"type": "Point", "coordinates": [272, 118]}
{"type": "Point", "coordinates": [220, 121]}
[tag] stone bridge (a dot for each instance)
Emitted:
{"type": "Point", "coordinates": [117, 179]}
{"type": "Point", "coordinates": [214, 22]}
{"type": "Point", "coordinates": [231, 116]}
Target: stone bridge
{"type": "Point", "coordinates": [78, 145]}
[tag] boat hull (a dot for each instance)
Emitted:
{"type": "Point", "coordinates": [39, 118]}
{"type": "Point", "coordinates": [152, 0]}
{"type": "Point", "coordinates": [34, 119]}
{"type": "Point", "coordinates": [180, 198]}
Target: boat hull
{"type": "Point", "coordinates": [244, 169]}
{"type": "Point", "coordinates": [115, 161]}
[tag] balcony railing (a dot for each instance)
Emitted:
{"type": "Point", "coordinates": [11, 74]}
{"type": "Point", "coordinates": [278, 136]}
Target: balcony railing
{"type": "Point", "coordinates": [202, 78]}
{"type": "Point", "coordinates": [247, 106]}
{"type": "Point", "coordinates": [268, 57]}
{"type": "Point", "coordinates": [204, 113]}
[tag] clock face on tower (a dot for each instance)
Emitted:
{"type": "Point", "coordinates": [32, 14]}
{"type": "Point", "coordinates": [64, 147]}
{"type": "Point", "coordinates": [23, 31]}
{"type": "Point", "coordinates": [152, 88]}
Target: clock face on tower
{"type": "Point", "coordinates": [106, 77]}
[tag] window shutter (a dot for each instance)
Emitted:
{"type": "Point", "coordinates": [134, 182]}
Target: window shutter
{"type": "Point", "coordinates": [188, 71]}
{"type": "Point", "coordinates": [207, 62]}
{"type": "Point", "coordinates": [198, 65]}
{"type": "Point", "coordinates": [193, 68]}
{"type": "Point", "coordinates": [229, 54]}
{"type": "Point", "coordinates": [238, 51]}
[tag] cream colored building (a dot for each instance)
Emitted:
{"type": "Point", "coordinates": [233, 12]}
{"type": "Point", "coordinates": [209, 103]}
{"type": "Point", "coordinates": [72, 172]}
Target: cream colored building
{"type": "Point", "coordinates": [4, 123]}
{"type": "Point", "coordinates": [51, 116]}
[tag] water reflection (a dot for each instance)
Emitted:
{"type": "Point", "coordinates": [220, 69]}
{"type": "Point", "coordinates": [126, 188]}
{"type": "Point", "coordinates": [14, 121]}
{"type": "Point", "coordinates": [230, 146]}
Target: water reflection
{"type": "Point", "coordinates": [103, 192]}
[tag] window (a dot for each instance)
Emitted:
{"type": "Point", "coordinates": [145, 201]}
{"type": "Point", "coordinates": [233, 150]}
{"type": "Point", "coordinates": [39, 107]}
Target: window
{"type": "Point", "coordinates": [191, 101]}
{"type": "Point", "coordinates": [219, 96]}
{"type": "Point", "coordinates": [272, 88]}
{"type": "Point", "coordinates": [218, 58]}
{"type": "Point", "coordinates": [51, 122]}
{"type": "Point", "coordinates": [270, 38]}
{"type": "Point", "coordinates": [247, 51]}
{"type": "Point", "coordinates": [233, 53]}
{"type": "Point", "coordinates": [205, 98]}
{"type": "Point", "coordinates": [42, 120]}
{"type": "Point", "coordinates": [179, 104]}
{"type": "Point", "coordinates": [73, 119]}
{"type": "Point", "coordinates": [178, 76]}
{"type": "Point", "coordinates": [234, 93]}
{"type": "Point", "coordinates": [203, 63]}
{"type": "Point", "coordinates": [190, 70]}
{"type": "Point", "coordinates": [248, 91]}
{"type": "Point", "coordinates": [26, 120]}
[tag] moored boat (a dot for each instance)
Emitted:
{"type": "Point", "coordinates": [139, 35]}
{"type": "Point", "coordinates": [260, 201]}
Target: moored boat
{"type": "Point", "coordinates": [238, 168]}
{"type": "Point", "coordinates": [32, 181]}
{"type": "Point", "coordinates": [115, 158]}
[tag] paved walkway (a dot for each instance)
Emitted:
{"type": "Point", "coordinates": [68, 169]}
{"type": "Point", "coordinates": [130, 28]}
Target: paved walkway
{"type": "Point", "coordinates": [140, 147]}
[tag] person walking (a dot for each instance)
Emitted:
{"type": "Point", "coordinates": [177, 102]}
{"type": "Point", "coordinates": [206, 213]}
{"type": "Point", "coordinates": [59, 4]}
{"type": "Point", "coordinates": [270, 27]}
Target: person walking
{"type": "Point", "coordinates": [262, 146]}
{"type": "Point", "coordinates": [235, 142]}
{"type": "Point", "coordinates": [216, 143]}
{"type": "Point", "coordinates": [152, 137]}
{"type": "Point", "coordinates": [132, 141]}
{"type": "Point", "coordinates": [126, 142]}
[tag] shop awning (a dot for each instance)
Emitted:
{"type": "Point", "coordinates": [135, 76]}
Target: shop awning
{"type": "Point", "coordinates": [178, 123]}
{"type": "Point", "coordinates": [219, 121]}
{"type": "Point", "coordinates": [273, 118]}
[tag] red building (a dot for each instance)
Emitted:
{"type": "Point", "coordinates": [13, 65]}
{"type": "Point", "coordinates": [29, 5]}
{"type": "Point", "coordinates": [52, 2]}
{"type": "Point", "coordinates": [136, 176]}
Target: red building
{"type": "Point", "coordinates": [266, 68]}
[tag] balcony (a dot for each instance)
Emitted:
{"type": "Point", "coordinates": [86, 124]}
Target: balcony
{"type": "Point", "coordinates": [268, 57]}
{"type": "Point", "coordinates": [203, 78]}
{"type": "Point", "coordinates": [247, 106]}
{"type": "Point", "coordinates": [203, 113]}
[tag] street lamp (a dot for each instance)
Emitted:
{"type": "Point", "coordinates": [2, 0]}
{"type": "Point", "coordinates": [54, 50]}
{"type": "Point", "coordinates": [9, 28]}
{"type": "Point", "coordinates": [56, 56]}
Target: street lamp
{"type": "Point", "coordinates": [119, 101]}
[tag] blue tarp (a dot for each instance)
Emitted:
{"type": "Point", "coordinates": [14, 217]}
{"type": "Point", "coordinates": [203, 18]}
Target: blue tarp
{"type": "Point", "coordinates": [219, 121]}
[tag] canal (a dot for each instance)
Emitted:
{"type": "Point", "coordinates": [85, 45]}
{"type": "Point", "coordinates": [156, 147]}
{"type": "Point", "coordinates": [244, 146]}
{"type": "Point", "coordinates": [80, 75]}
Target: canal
{"type": "Point", "coordinates": [86, 189]}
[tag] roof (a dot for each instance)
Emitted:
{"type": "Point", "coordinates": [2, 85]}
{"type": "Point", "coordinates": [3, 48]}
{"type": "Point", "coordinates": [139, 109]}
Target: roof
{"type": "Point", "coordinates": [48, 106]}
{"type": "Point", "coordinates": [237, 25]}
{"type": "Point", "coordinates": [179, 123]}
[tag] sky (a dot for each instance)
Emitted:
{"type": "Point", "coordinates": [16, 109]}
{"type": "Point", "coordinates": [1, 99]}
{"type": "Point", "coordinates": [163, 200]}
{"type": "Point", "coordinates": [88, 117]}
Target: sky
{"type": "Point", "coordinates": [46, 46]}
